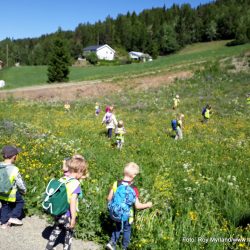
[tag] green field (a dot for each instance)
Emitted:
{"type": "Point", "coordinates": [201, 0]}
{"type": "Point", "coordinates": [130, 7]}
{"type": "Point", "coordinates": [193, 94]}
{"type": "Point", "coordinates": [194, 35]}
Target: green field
{"type": "Point", "coordinates": [199, 186]}
{"type": "Point", "coordinates": [37, 75]}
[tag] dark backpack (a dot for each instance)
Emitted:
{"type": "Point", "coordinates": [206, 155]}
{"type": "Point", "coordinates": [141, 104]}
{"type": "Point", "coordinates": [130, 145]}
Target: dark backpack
{"type": "Point", "coordinates": [174, 124]}
{"type": "Point", "coordinates": [56, 198]}
{"type": "Point", "coordinates": [121, 203]}
{"type": "Point", "coordinates": [203, 111]}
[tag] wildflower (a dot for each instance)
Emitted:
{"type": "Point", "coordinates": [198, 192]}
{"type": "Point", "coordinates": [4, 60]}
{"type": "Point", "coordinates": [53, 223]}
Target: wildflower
{"type": "Point", "coordinates": [193, 216]}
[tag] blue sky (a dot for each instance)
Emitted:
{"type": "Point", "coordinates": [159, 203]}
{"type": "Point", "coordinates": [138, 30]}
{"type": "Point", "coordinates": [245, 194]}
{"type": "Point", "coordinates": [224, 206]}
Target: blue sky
{"type": "Point", "coordinates": [33, 18]}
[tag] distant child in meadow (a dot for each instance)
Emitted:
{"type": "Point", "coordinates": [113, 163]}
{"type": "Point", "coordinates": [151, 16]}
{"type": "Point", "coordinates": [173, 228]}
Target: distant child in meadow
{"type": "Point", "coordinates": [77, 169]}
{"type": "Point", "coordinates": [67, 106]}
{"type": "Point", "coordinates": [110, 121]}
{"type": "Point", "coordinates": [119, 134]}
{"type": "Point", "coordinates": [12, 187]}
{"type": "Point", "coordinates": [122, 198]}
{"type": "Point", "coordinates": [176, 101]}
{"type": "Point", "coordinates": [206, 112]}
{"type": "Point", "coordinates": [179, 128]}
{"type": "Point", "coordinates": [97, 109]}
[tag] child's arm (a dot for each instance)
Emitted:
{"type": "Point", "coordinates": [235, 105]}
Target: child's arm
{"type": "Point", "coordinates": [73, 210]}
{"type": "Point", "coordinates": [139, 205]}
{"type": "Point", "coordinates": [110, 195]}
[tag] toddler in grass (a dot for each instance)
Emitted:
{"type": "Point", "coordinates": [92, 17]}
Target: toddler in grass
{"type": "Point", "coordinates": [119, 133]}
{"type": "Point", "coordinates": [179, 134]}
{"type": "Point", "coordinates": [77, 169]}
{"type": "Point", "coordinates": [176, 101]}
{"type": "Point", "coordinates": [124, 188]}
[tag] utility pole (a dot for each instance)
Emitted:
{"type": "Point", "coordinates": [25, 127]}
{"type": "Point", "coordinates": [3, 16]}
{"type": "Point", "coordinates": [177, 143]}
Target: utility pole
{"type": "Point", "coordinates": [7, 55]}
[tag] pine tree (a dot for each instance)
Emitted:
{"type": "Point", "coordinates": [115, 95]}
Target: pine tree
{"type": "Point", "coordinates": [58, 69]}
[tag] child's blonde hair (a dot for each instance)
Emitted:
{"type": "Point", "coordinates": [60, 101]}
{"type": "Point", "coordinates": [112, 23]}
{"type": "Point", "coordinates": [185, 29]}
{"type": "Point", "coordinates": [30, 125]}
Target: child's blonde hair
{"type": "Point", "coordinates": [131, 169]}
{"type": "Point", "coordinates": [77, 165]}
{"type": "Point", "coordinates": [120, 124]}
{"type": "Point", "coordinates": [180, 116]}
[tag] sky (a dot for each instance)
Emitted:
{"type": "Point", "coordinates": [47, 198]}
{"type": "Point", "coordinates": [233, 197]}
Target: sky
{"type": "Point", "coordinates": [33, 18]}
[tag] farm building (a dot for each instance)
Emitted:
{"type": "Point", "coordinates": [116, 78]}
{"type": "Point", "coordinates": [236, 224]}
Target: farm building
{"type": "Point", "coordinates": [103, 52]}
{"type": "Point", "coordinates": [139, 56]}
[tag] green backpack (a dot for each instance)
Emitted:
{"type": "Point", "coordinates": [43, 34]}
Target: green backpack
{"type": "Point", "coordinates": [5, 185]}
{"type": "Point", "coordinates": [56, 198]}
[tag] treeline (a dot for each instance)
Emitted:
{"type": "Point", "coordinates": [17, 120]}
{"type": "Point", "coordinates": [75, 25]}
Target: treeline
{"type": "Point", "coordinates": [158, 31]}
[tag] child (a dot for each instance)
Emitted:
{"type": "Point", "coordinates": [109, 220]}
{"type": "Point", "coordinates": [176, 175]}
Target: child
{"type": "Point", "coordinates": [110, 120]}
{"type": "Point", "coordinates": [78, 169]}
{"type": "Point", "coordinates": [206, 113]}
{"type": "Point", "coordinates": [176, 101]}
{"type": "Point", "coordinates": [12, 201]}
{"type": "Point", "coordinates": [119, 132]}
{"type": "Point", "coordinates": [179, 127]}
{"type": "Point", "coordinates": [65, 166]}
{"type": "Point", "coordinates": [97, 109]}
{"type": "Point", "coordinates": [130, 172]}
{"type": "Point", "coordinates": [67, 106]}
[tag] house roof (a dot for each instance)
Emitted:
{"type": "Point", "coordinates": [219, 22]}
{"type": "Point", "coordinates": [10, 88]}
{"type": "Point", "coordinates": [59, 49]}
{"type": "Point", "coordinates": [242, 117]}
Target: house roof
{"type": "Point", "coordinates": [134, 53]}
{"type": "Point", "coordinates": [97, 47]}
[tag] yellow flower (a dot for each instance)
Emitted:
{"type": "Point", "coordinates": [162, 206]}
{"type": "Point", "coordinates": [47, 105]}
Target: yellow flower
{"type": "Point", "coordinates": [27, 176]}
{"type": "Point", "coordinates": [193, 215]}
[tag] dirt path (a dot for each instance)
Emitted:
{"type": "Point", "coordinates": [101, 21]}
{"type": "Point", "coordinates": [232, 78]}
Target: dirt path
{"type": "Point", "coordinates": [34, 235]}
{"type": "Point", "coordinates": [90, 89]}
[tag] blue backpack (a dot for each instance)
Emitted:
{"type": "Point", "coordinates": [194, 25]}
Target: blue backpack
{"type": "Point", "coordinates": [203, 111]}
{"type": "Point", "coordinates": [120, 205]}
{"type": "Point", "coordinates": [174, 124]}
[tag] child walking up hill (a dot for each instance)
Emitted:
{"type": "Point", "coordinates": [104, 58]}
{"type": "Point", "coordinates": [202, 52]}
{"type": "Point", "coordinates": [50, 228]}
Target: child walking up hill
{"type": "Point", "coordinates": [119, 132]}
{"type": "Point", "coordinates": [122, 198]}
{"type": "Point", "coordinates": [110, 120]}
{"type": "Point", "coordinates": [77, 169]}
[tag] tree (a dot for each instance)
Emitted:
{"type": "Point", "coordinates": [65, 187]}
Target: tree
{"type": "Point", "coordinates": [58, 69]}
{"type": "Point", "coordinates": [92, 58]}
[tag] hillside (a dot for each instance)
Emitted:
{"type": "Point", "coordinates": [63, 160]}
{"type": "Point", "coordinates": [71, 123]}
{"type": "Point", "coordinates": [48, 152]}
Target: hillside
{"type": "Point", "coordinates": [199, 186]}
{"type": "Point", "coordinates": [188, 59]}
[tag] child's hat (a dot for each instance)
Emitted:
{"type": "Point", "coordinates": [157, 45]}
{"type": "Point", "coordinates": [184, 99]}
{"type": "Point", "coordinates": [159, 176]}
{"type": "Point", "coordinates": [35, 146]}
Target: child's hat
{"type": "Point", "coordinates": [9, 151]}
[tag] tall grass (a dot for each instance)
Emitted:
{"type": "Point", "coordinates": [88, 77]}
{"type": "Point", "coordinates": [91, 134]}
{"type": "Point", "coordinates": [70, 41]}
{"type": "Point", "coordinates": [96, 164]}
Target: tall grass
{"type": "Point", "coordinates": [199, 186]}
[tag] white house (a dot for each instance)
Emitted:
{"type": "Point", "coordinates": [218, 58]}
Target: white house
{"type": "Point", "coordinates": [139, 56]}
{"type": "Point", "coordinates": [103, 52]}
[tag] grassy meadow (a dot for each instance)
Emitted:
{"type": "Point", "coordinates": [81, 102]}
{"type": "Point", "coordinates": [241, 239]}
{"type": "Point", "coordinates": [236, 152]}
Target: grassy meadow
{"type": "Point", "coordinates": [199, 186]}
{"type": "Point", "coordinates": [23, 76]}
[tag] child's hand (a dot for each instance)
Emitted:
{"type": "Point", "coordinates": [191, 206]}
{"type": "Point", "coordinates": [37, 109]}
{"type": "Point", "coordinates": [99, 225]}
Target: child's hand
{"type": "Point", "coordinates": [72, 223]}
{"type": "Point", "coordinates": [149, 204]}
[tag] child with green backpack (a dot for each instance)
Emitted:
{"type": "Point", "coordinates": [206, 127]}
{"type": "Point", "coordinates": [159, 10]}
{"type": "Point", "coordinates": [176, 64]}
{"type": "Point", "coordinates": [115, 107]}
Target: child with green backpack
{"type": "Point", "coordinates": [61, 201]}
{"type": "Point", "coordinates": [122, 197]}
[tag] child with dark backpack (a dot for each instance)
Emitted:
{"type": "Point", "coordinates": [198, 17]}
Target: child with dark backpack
{"type": "Point", "coordinates": [122, 198]}
{"type": "Point", "coordinates": [177, 126]}
{"type": "Point", "coordinates": [61, 201]}
{"type": "Point", "coordinates": [110, 121]}
{"type": "Point", "coordinates": [206, 112]}
{"type": "Point", "coordinates": [12, 187]}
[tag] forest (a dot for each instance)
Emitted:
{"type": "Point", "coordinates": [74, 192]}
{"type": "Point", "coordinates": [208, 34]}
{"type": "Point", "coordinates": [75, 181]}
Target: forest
{"type": "Point", "coordinates": [157, 31]}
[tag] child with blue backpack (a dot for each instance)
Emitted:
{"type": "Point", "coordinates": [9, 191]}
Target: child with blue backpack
{"type": "Point", "coordinates": [122, 198]}
{"type": "Point", "coordinates": [177, 126]}
{"type": "Point", "coordinates": [65, 212]}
